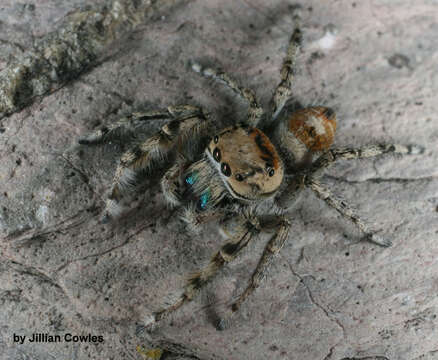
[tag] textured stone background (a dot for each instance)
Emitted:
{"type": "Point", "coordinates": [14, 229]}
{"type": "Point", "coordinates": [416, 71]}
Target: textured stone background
{"type": "Point", "coordinates": [329, 296]}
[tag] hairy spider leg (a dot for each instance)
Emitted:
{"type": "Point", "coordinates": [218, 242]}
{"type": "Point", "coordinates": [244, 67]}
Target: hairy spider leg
{"type": "Point", "coordinates": [315, 172]}
{"type": "Point", "coordinates": [255, 111]}
{"type": "Point", "coordinates": [346, 211]}
{"type": "Point", "coordinates": [332, 155]}
{"type": "Point", "coordinates": [247, 230]}
{"type": "Point", "coordinates": [186, 121]}
{"type": "Point", "coordinates": [169, 184]}
{"type": "Point", "coordinates": [283, 92]}
{"type": "Point", "coordinates": [128, 125]}
{"type": "Point", "coordinates": [318, 167]}
{"type": "Point", "coordinates": [272, 248]}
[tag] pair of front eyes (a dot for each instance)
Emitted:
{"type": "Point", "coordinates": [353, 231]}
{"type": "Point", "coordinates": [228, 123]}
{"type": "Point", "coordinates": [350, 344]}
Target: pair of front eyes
{"type": "Point", "coordinates": [225, 168]}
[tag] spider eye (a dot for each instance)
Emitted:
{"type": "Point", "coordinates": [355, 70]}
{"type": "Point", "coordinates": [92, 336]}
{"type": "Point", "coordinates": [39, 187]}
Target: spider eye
{"type": "Point", "coordinates": [271, 172]}
{"type": "Point", "coordinates": [225, 168]}
{"type": "Point", "coordinates": [239, 177]}
{"type": "Point", "coordinates": [217, 154]}
{"type": "Point", "coordinates": [216, 139]}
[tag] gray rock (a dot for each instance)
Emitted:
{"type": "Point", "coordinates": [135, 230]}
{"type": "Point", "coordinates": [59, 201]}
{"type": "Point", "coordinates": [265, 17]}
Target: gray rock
{"type": "Point", "coordinates": [329, 295]}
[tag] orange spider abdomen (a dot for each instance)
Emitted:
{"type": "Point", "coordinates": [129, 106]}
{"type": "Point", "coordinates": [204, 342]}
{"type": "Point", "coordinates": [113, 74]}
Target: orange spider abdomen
{"type": "Point", "coordinates": [314, 126]}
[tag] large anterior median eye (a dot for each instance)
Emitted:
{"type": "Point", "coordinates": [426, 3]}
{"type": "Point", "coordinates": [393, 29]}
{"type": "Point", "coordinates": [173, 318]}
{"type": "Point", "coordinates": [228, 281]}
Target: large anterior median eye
{"type": "Point", "coordinates": [217, 154]}
{"type": "Point", "coordinates": [225, 168]}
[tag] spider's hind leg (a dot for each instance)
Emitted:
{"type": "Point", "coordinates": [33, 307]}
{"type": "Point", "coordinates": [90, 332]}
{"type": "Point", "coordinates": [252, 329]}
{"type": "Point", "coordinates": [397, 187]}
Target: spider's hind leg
{"type": "Point", "coordinates": [345, 210]}
{"type": "Point", "coordinates": [283, 92]}
{"type": "Point", "coordinates": [332, 155]}
{"type": "Point", "coordinates": [255, 111]}
{"type": "Point", "coordinates": [315, 172]}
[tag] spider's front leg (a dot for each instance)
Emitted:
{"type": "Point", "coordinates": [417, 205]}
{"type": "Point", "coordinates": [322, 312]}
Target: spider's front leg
{"type": "Point", "coordinates": [170, 185]}
{"type": "Point", "coordinates": [128, 126]}
{"type": "Point", "coordinates": [246, 229]}
{"type": "Point", "coordinates": [186, 121]}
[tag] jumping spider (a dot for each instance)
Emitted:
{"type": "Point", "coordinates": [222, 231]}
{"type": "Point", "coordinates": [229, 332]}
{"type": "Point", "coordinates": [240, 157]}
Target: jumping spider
{"type": "Point", "coordinates": [244, 176]}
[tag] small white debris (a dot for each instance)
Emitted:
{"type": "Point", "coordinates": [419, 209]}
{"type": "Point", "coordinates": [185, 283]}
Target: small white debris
{"type": "Point", "coordinates": [42, 213]}
{"type": "Point", "coordinates": [209, 72]}
{"type": "Point", "coordinates": [45, 195]}
{"type": "Point", "coordinates": [327, 41]}
{"type": "Point", "coordinates": [196, 67]}
{"type": "Point", "coordinates": [329, 38]}
{"type": "Point", "coordinates": [416, 149]}
{"type": "Point", "coordinates": [149, 320]}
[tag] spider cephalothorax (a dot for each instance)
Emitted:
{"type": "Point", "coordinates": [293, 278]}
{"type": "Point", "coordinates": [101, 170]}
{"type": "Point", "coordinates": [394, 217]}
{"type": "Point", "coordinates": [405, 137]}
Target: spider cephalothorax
{"type": "Point", "coordinates": [247, 161]}
{"type": "Point", "coordinates": [244, 176]}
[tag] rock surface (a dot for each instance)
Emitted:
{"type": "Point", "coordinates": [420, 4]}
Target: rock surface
{"type": "Point", "coordinates": [329, 295]}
